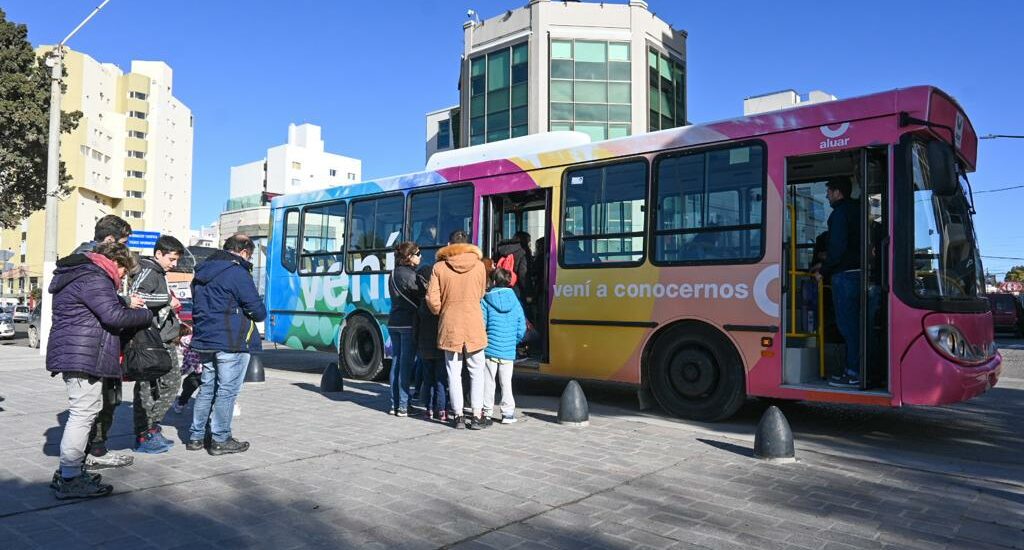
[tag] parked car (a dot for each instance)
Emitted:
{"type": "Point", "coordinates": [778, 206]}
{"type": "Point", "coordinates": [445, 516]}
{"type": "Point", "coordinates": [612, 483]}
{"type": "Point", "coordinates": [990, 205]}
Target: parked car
{"type": "Point", "coordinates": [33, 327]}
{"type": "Point", "coordinates": [185, 313]}
{"type": "Point", "coordinates": [21, 314]}
{"type": "Point", "coordinates": [1007, 313]}
{"type": "Point", "coordinates": [6, 326]}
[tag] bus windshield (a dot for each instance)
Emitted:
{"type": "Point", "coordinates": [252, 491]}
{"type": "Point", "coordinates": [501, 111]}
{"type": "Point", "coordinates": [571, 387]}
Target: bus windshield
{"type": "Point", "coordinates": [946, 260]}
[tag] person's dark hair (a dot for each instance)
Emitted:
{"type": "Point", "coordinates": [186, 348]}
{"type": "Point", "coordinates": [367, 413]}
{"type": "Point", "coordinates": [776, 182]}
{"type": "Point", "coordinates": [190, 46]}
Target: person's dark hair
{"type": "Point", "coordinates": [239, 243]}
{"type": "Point", "coordinates": [458, 237]}
{"type": "Point", "coordinates": [524, 239]}
{"type": "Point", "coordinates": [111, 226]}
{"type": "Point", "coordinates": [501, 278]}
{"type": "Point", "coordinates": [405, 251]}
{"type": "Point", "coordinates": [167, 244]}
{"type": "Point", "coordinates": [843, 184]}
{"type": "Point", "coordinates": [117, 252]}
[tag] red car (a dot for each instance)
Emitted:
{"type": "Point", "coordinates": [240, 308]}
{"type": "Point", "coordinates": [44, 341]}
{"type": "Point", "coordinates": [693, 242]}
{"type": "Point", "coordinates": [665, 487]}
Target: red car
{"type": "Point", "coordinates": [1007, 313]}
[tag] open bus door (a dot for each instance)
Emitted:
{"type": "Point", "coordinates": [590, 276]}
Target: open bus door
{"type": "Point", "coordinates": [817, 326]}
{"type": "Point", "coordinates": [504, 216]}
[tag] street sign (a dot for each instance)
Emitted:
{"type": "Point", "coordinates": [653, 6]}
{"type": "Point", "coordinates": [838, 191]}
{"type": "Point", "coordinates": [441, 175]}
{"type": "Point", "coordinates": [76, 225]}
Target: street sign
{"type": "Point", "coordinates": [143, 239]}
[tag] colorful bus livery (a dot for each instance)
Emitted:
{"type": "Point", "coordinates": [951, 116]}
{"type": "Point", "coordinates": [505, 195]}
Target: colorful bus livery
{"type": "Point", "coordinates": [681, 262]}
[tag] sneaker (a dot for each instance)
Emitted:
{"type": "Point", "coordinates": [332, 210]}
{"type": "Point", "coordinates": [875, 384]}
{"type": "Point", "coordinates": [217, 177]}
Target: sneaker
{"type": "Point", "coordinates": [441, 416]}
{"type": "Point", "coordinates": [231, 446]}
{"type": "Point", "coordinates": [508, 419]}
{"type": "Point", "coordinates": [401, 412]}
{"type": "Point", "coordinates": [848, 382]}
{"type": "Point", "coordinates": [149, 444]}
{"type": "Point", "coordinates": [459, 422]}
{"type": "Point", "coordinates": [55, 482]}
{"type": "Point", "coordinates": [488, 421]}
{"type": "Point", "coordinates": [237, 411]}
{"type": "Point", "coordinates": [110, 459]}
{"type": "Point", "coordinates": [178, 408]}
{"type": "Point", "coordinates": [477, 423]}
{"type": "Point", "coordinates": [159, 436]}
{"type": "Point", "coordinates": [194, 445]}
{"type": "Point", "coordinates": [82, 486]}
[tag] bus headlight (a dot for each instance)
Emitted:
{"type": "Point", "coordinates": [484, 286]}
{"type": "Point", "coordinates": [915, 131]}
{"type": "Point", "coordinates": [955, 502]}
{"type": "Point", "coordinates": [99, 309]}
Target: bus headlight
{"type": "Point", "coordinates": [951, 343]}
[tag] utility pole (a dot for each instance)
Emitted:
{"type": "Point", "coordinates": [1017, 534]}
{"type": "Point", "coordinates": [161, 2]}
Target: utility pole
{"type": "Point", "coordinates": [55, 60]}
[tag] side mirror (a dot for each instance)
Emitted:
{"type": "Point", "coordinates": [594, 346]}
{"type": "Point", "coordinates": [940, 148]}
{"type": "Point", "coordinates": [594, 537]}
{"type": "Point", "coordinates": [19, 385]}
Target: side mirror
{"type": "Point", "coordinates": [942, 169]}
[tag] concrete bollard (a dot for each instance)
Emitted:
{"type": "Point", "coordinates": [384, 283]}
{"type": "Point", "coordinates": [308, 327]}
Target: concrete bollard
{"type": "Point", "coordinates": [254, 372]}
{"type": "Point", "coordinates": [331, 381]}
{"type": "Point", "coordinates": [773, 441]}
{"type": "Point", "coordinates": [572, 408]}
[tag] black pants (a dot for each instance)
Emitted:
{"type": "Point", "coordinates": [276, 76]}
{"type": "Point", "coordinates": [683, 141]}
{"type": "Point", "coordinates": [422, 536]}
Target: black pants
{"type": "Point", "coordinates": [105, 419]}
{"type": "Point", "coordinates": [189, 385]}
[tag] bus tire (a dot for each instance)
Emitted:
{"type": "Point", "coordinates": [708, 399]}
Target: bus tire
{"type": "Point", "coordinates": [361, 352]}
{"type": "Point", "coordinates": [696, 373]}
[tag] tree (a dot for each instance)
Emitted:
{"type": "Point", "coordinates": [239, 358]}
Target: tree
{"type": "Point", "coordinates": [24, 126]}
{"type": "Point", "coordinates": [1016, 273]}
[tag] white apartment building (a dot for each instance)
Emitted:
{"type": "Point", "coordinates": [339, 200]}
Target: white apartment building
{"type": "Point", "coordinates": [786, 99]}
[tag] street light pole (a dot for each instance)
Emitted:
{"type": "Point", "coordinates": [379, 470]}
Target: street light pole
{"type": "Point", "coordinates": [56, 62]}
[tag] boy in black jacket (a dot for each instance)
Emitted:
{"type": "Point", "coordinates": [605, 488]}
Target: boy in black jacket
{"type": "Point", "coordinates": [154, 397]}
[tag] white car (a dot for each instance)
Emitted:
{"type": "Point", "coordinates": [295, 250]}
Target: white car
{"type": "Point", "coordinates": [21, 314]}
{"type": "Point", "coordinates": [6, 326]}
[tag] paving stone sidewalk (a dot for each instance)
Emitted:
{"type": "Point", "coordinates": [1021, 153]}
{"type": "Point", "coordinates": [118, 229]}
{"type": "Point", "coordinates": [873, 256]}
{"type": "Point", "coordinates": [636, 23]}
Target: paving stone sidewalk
{"type": "Point", "coordinates": [334, 471]}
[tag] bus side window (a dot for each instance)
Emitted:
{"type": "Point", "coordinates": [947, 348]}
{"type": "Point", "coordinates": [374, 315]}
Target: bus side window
{"type": "Point", "coordinates": [323, 239]}
{"type": "Point", "coordinates": [290, 240]}
{"type": "Point", "coordinates": [376, 227]}
{"type": "Point", "coordinates": [603, 216]}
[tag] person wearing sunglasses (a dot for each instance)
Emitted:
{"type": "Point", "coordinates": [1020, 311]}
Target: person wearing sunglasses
{"type": "Point", "coordinates": [406, 296]}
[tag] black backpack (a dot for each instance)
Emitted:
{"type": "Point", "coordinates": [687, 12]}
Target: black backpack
{"type": "Point", "coordinates": [145, 356]}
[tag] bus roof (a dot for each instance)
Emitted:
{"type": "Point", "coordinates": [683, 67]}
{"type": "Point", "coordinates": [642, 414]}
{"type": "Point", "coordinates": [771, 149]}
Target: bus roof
{"type": "Point", "coordinates": [925, 103]}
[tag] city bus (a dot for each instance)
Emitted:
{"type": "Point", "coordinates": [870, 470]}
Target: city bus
{"type": "Point", "coordinates": [680, 262]}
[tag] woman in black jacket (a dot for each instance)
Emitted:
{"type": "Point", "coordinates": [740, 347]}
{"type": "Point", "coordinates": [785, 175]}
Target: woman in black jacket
{"type": "Point", "coordinates": [406, 296]}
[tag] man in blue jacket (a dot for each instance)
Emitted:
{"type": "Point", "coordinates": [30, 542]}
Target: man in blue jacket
{"type": "Point", "coordinates": [225, 309]}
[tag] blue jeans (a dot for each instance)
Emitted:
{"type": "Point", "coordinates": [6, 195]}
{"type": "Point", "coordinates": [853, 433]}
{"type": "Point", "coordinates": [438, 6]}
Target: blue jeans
{"type": "Point", "coordinates": [846, 299]}
{"type": "Point", "coordinates": [403, 347]}
{"type": "Point", "coordinates": [222, 378]}
{"type": "Point", "coordinates": [435, 374]}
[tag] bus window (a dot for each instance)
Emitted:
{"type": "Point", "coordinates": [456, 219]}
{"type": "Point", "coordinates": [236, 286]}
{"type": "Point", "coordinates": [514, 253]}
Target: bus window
{"type": "Point", "coordinates": [290, 240]}
{"type": "Point", "coordinates": [323, 239]}
{"type": "Point", "coordinates": [433, 215]}
{"type": "Point", "coordinates": [709, 206]}
{"type": "Point", "coordinates": [603, 216]}
{"type": "Point", "coordinates": [376, 226]}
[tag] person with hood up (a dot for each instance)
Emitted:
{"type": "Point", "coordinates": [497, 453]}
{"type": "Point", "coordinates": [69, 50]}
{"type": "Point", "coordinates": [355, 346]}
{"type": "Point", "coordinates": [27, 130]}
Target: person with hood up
{"type": "Point", "coordinates": [85, 348]}
{"type": "Point", "coordinates": [457, 285]}
{"type": "Point", "coordinates": [506, 327]}
{"type": "Point", "coordinates": [519, 248]}
{"type": "Point", "coordinates": [225, 309]}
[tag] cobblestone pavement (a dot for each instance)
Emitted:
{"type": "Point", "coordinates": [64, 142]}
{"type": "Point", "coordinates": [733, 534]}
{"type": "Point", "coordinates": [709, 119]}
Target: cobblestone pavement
{"type": "Point", "coordinates": [335, 471]}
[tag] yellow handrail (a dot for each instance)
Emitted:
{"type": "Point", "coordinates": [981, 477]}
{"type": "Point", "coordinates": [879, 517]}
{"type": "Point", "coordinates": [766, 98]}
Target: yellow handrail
{"type": "Point", "coordinates": [819, 332]}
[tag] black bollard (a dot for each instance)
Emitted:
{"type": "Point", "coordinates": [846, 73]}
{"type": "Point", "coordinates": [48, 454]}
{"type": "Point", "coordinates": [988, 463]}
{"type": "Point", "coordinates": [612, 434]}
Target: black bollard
{"type": "Point", "coordinates": [331, 381]}
{"type": "Point", "coordinates": [254, 373]}
{"type": "Point", "coordinates": [572, 408]}
{"type": "Point", "coordinates": [773, 441]}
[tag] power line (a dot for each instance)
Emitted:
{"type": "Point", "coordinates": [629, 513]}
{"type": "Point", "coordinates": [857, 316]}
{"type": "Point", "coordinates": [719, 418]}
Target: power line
{"type": "Point", "coordinates": [994, 136]}
{"type": "Point", "coordinates": [1000, 189]}
{"type": "Point", "coordinates": [1002, 258]}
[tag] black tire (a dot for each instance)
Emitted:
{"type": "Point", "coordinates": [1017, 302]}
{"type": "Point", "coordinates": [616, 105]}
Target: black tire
{"type": "Point", "coordinates": [33, 337]}
{"type": "Point", "coordinates": [696, 373]}
{"type": "Point", "coordinates": [362, 350]}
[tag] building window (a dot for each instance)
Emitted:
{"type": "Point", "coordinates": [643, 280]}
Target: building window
{"type": "Point", "coordinates": [352, 176]}
{"type": "Point", "coordinates": [603, 216]}
{"type": "Point", "coordinates": [135, 174]}
{"type": "Point", "coordinates": [137, 154]}
{"type": "Point", "coordinates": [444, 134]}
{"type": "Point", "coordinates": [132, 214]}
{"type": "Point", "coordinates": [666, 92]}
{"type": "Point", "coordinates": [138, 95]}
{"type": "Point", "coordinates": [498, 95]}
{"type": "Point", "coordinates": [433, 215]}
{"type": "Point", "coordinates": [332, 172]}
{"type": "Point", "coordinates": [296, 165]}
{"type": "Point", "coordinates": [137, 114]}
{"type": "Point", "coordinates": [134, 194]}
{"type": "Point", "coordinates": [710, 206]}
{"type": "Point", "coordinates": [323, 239]}
{"type": "Point", "coordinates": [374, 230]}
{"type": "Point", "coordinates": [136, 134]}
{"type": "Point", "coordinates": [590, 88]}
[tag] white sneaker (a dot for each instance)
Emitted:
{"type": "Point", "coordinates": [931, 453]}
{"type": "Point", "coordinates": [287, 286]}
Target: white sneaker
{"type": "Point", "coordinates": [237, 411]}
{"type": "Point", "coordinates": [508, 419]}
{"type": "Point", "coordinates": [112, 459]}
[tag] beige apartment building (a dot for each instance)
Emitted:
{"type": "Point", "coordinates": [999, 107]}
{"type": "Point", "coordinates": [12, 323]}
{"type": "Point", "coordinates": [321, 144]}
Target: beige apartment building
{"type": "Point", "coordinates": [607, 70]}
{"type": "Point", "coordinates": [131, 155]}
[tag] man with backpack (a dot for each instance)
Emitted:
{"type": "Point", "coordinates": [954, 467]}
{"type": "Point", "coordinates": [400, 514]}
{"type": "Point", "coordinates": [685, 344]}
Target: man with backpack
{"type": "Point", "coordinates": [513, 255]}
{"type": "Point", "coordinates": [154, 396]}
{"type": "Point", "coordinates": [225, 309]}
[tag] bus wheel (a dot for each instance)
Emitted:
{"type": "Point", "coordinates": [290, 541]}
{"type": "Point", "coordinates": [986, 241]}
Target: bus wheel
{"type": "Point", "coordinates": [696, 373]}
{"type": "Point", "coordinates": [362, 351]}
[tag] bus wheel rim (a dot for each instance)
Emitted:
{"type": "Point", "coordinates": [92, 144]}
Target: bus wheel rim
{"type": "Point", "coordinates": [693, 374]}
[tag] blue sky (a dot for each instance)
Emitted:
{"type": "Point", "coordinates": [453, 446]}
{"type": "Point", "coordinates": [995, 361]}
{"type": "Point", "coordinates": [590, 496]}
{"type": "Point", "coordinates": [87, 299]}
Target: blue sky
{"type": "Point", "coordinates": [367, 72]}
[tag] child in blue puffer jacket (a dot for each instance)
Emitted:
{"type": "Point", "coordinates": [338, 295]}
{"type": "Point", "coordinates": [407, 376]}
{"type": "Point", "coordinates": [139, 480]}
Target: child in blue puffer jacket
{"type": "Point", "coordinates": [506, 327]}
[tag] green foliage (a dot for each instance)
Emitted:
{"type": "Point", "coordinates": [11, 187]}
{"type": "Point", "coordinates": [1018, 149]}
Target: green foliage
{"type": "Point", "coordinates": [1016, 273]}
{"type": "Point", "coordinates": [24, 125]}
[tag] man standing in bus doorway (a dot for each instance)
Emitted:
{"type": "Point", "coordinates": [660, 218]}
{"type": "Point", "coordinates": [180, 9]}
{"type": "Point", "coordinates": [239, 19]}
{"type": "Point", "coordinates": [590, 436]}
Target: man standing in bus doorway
{"type": "Point", "coordinates": [457, 284]}
{"type": "Point", "coordinates": [225, 309]}
{"type": "Point", "coordinates": [842, 265]}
